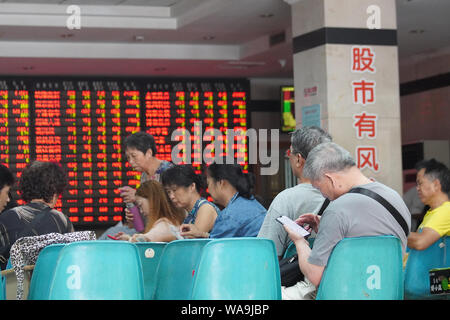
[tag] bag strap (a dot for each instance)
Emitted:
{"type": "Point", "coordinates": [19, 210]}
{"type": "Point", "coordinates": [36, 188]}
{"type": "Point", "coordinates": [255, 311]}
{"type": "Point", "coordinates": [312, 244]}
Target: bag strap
{"type": "Point", "coordinates": [324, 206]}
{"type": "Point", "coordinates": [389, 207]}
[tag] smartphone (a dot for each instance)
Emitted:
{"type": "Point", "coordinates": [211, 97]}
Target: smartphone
{"type": "Point", "coordinates": [293, 226]}
{"type": "Point", "coordinates": [112, 237]}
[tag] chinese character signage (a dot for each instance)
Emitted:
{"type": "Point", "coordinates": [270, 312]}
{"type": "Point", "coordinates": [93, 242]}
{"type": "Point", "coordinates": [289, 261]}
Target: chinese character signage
{"type": "Point", "coordinates": [364, 95]}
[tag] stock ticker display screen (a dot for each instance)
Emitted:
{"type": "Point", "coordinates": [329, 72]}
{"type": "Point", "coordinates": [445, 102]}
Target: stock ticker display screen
{"type": "Point", "coordinates": [82, 125]}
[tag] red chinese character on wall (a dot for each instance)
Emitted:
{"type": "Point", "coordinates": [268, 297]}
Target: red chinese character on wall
{"type": "Point", "coordinates": [365, 124]}
{"type": "Point", "coordinates": [363, 92]}
{"type": "Point", "coordinates": [363, 59]}
{"type": "Point", "coordinates": [367, 158]}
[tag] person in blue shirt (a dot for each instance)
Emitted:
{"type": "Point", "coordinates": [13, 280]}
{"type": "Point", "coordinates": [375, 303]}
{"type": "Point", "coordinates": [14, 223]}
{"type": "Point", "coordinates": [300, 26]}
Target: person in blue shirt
{"type": "Point", "coordinates": [242, 215]}
{"type": "Point", "coordinates": [184, 187]}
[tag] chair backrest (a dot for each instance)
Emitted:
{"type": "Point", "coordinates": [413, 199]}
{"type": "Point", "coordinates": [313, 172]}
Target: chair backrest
{"type": "Point", "coordinates": [418, 265]}
{"type": "Point", "coordinates": [150, 253]}
{"type": "Point", "coordinates": [43, 272]}
{"type": "Point", "coordinates": [363, 268]}
{"type": "Point", "coordinates": [291, 250]}
{"type": "Point", "coordinates": [98, 270]}
{"type": "Point", "coordinates": [238, 268]}
{"type": "Point", "coordinates": [3, 288]}
{"type": "Point", "coordinates": [177, 268]}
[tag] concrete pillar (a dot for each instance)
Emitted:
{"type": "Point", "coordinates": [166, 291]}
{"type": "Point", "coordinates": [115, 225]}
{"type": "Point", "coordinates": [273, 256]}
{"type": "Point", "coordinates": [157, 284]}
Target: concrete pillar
{"type": "Point", "coordinates": [346, 79]}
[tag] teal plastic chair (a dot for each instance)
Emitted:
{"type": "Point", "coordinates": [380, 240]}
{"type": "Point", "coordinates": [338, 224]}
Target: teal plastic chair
{"type": "Point", "coordinates": [238, 269]}
{"type": "Point", "coordinates": [98, 270]}
{"type": "Point", "coordinates": [418, 265]}
{"type": "Point", "coordinates": [363, 268]}
{"type": "Point", "coordinates": [177, 267]}
{"type": "Point", "coordinates": [292, 249]}
{"type": "Point", "coordinates": [3, 281]}
{"type": "Point", "coordinates": [3, 288]}
{"type": "Point", "coordinates": [150, 253]}
{"type": "Point", "coordinates": [43, 272]}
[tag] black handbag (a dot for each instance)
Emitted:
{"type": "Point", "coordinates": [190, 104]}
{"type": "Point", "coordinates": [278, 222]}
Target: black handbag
{"type": "Point", "coordinates": [289, 269]}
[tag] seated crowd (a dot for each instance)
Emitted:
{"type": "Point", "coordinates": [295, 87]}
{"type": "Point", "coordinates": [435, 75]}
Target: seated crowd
{"type": "Point", "coordinates": [171, 199]}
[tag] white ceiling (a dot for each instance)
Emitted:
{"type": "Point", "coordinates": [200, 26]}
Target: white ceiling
{"type": "Point", "coordinates": [192, 38]}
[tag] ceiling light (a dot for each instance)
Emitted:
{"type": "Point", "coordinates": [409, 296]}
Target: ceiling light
{"type": "Point", "coordinates": [247, 63]}
{"type": "Point", "coordinates": [227, 67]}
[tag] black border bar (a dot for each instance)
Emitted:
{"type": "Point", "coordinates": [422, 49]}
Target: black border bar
{"type": "Point", "coordinates": [425, 84]}
{"type": "Point", "coordinates": [350, 36]}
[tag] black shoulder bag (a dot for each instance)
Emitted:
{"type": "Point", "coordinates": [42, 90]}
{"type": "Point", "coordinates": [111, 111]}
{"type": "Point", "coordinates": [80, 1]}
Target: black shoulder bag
{"type": "Point", "coordinates": [289, 270]}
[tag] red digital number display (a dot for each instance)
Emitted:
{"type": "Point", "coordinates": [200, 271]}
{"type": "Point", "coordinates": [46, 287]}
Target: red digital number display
{"type": "Point", "coordinates": [82, 125]}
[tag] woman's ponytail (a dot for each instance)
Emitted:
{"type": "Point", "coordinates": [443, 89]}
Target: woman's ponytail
{"type": "Point", "coordinates": [242, 182]}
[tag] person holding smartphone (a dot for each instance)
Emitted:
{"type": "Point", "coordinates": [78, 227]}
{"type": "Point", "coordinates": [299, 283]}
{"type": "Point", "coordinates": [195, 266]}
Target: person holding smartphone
{"type": "Point", "coordinates": [332, 170]}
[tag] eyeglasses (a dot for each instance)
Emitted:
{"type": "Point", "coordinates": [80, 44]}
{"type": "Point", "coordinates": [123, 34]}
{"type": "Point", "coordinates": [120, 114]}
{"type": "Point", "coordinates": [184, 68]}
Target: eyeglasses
{"type": "Point", "coordinates": [289, 153]}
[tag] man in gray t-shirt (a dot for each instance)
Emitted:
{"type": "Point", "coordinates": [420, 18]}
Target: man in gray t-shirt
{"type": "Point", "coordinates": [297, 200]}
{"type": "Point", "coordinates": [357, 215]}
{"type": "Point", "coordinates": [333, 171]}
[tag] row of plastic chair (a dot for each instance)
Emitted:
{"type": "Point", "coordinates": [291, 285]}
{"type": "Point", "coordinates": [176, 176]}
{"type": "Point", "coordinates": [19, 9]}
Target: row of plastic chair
{"type": "Point", "coordinates": [369, 268]}
{"type": "Point", "coordinates": [239, 268]}
{"type": "Point", "coordinates": [418, 266]}
{"type": "Point", "coordinates": [236, 268]}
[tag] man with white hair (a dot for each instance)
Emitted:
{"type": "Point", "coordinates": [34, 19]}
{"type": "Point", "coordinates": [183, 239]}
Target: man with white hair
{"type": "Point", "coordinates": [299, 199]}
{"type": "Point", "coordinates": [332, 170]}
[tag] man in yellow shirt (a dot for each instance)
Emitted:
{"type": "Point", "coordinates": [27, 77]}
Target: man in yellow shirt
{"type": "Point", "coordinates": [433, 186]}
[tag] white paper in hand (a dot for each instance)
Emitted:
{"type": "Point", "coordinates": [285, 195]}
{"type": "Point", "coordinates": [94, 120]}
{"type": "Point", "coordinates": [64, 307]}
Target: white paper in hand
{"type": "Point", "coordinates": [293, 226]}
{"type": "Point", "coordinates": [175, 232]}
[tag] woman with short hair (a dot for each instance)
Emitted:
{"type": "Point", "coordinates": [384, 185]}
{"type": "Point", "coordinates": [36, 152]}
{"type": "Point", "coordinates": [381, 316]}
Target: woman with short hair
{"type": "Point", "coordinates": [40, 186]}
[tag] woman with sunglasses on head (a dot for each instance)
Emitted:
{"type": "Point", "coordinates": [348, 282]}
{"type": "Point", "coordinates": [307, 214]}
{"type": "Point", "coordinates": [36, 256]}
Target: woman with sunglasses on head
{"type": "Point", "coordinates": [242, 215]}
{"type": "Point", "coordinates": [184, 188]}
